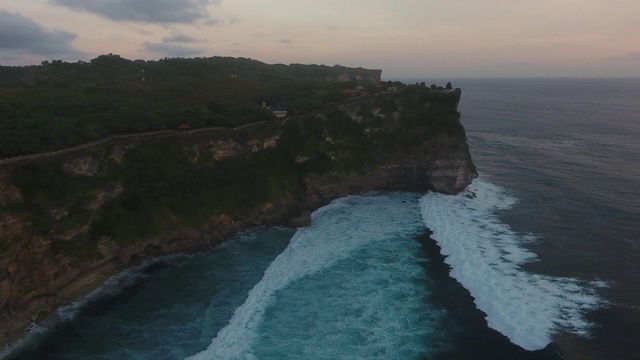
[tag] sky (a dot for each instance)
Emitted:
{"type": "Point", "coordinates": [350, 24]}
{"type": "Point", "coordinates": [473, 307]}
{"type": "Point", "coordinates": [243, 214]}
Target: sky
{"type": "Point", "coordinates": [404, 38]}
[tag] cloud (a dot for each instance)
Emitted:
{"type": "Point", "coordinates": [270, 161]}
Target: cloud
{"type": "Point", "coordinates": [632, 56]}
{"type": "Point", "coordinates": [142, 31]}
{"type": "Point", "coordinates": [171, 46]}
{"type": "Point", "coordinates": [211, 21]}
{"type": "Point", "coordinates": [146, 11]}
{"type": "Point", "coordinates": [20, 35]}
{"type": "Point", "coordinates": [232, 19]}
{"type": "Point", "coordinates": [170, 50]}
{"type": "Point", "coordinates": [285, 41]}
{"type": "Point", "coordinates": [178, 37]}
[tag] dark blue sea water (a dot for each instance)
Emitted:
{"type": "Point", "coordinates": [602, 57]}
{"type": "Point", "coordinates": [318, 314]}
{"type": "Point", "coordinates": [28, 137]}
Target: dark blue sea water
{"type": "Point", "coordinates": [539, 259]}
{"type": "Point", "coordinates": [569, 151]}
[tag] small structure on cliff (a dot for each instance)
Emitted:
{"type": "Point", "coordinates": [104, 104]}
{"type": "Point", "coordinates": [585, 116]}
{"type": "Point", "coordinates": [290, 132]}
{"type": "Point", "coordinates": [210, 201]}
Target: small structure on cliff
{"type": "Point", "coordinates": [280, 114]}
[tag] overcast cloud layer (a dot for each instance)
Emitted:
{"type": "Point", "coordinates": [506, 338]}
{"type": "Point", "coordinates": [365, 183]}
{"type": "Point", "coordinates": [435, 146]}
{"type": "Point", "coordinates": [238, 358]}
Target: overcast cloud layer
{"type": "Point", "coordinates": [21, 35]}
{"type": "Point", "coordinates": [156, 11]}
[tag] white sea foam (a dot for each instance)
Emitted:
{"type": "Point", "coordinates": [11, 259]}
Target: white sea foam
{"type": "Point", "coordinates": [338, 231]}
{"type": "Point", "coordinates": [485, 257]}
{"type": "Point", "coordinates": [368, 306]}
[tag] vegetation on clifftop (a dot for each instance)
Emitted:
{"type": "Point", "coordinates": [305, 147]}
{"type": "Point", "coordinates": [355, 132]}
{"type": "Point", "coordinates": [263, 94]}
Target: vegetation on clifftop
{"type": "Point", "coordinates": [144, 189]}
{"type": "Point", "coordinates": [57, 104]}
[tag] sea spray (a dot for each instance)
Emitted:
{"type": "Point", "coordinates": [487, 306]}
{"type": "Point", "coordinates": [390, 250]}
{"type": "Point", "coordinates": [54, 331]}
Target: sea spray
{"type": "Point", "coordinates": [485, 256]}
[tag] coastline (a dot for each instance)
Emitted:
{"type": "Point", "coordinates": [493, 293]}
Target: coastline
{"type": "Point", "coordinates": [46, 272]}
{"type": "Point", "coordinates": [94, 279]}
{"type": "Point", "coordinates": [100, 292]}
{"type": "Point", "coordinates": [186, 241]}
{"type": "Point", "coordinates": [285, 211]}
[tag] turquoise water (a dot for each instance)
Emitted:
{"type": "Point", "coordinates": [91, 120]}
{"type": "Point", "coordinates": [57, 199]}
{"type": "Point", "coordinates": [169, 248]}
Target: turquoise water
{"type": "Point", "coordinates": [166, 309]}
{"type": "Point", "coordinates": [350, 285]}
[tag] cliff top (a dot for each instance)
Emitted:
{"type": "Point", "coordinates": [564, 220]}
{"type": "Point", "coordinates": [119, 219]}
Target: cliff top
{"type": "Point", "coordinates": [58, 105]}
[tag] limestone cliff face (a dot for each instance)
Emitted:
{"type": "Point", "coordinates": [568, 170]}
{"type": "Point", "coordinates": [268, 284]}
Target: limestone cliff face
{"type": "Point", "coordinates": [448, 170]}
{"type": "Point", "coordinates": [52, 250]}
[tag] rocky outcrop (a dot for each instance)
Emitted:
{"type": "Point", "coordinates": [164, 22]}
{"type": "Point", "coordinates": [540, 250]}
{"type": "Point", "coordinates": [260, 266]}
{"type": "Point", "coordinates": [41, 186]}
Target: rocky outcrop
{"type": "Point", "coordinates": [39, 271]}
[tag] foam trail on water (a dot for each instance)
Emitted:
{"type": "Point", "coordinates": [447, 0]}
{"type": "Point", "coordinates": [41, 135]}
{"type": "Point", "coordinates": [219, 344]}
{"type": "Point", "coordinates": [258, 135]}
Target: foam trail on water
{"type": "Point", "coordinates": [485, 257]}
{"type": "Point", "coordinates": [338, 230]}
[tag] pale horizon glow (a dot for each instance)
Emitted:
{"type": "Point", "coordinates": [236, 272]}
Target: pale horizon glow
{"type": "Point", "coordinates": [406, 39]}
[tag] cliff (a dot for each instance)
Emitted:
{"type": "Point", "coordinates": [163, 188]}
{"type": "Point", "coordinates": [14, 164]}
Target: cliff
{"type": "Point", "coordinates": [68, 222]}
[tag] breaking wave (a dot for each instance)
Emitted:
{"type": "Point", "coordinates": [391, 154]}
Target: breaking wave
{"type": "Point", "coordinates": [485, 256]}
{"type": "Point", "coordinates": [363, 292]}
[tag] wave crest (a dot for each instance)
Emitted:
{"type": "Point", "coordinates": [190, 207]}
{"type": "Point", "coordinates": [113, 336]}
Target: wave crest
{"type": "Point", "coordinates": [485, 256]}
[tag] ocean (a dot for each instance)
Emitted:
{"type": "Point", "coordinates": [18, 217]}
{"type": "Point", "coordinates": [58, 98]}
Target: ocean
{"type": "Point", "coordinates": [538, 259]}
{"type": "Point", "coordinates": [568, 150]}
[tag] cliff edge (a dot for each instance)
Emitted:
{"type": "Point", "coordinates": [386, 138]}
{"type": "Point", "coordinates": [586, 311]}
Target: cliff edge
{"type": "Point", "coordinates": [68, 222]}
